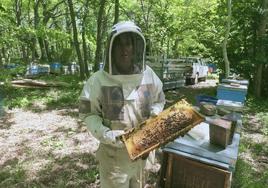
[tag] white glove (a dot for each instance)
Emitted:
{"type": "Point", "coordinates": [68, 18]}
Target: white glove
{"type": "Point", "coordinates": [111, 137]}
{"type": "Point", "coordinates": [156, 109]}
{"type": "Point", "coordinates": [153, 114]}
{"type": "Point", "coordinates": [103, 133]}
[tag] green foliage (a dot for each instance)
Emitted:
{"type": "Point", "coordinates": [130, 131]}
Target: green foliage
{"type": "Point", "coordinates": [259, 107]}
{"type": "Point", "coordinates": [64, 98]}
{"type": "Point", "coordinates": [213, 76]}
{"type": "Point", "coordinates": [246, 176]}
{"type": "Point", "coordinates": [177, 27]}
{"type": "Point", "coordinates": [174, 27]}
{"type": "Point", "coordinates": [260, 149]}
{"type": "Point", "coordinates": [12, 175]}
{"type": "Point", "coordinates": [50, 97]}
{"type": "Point", "coordinates": [53, 142]}
{"type": "Point", "coordinates": [62, 172]}
{"type": "Point", "coordinates": [243, 174]}
{"type": "Point", "coordinates": [66, 56]}
{"type": "Point", "coordinates": [256, 149]}
{"type": "Point", "coordinates": [263, 116]}
{"type": "Point", "coordinates": [256, 105]}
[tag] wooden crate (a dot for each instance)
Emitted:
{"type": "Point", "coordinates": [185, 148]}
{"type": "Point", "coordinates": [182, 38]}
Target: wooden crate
{"type": "Point", "coordinates": [220, 132]}
{"type": "Point", "coordinates": [180, 172]}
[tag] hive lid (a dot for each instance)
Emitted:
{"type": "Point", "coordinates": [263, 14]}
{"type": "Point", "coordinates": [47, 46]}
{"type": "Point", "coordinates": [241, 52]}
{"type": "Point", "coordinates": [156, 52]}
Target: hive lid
{"type": "Point", "coordinates": [238, 87]}
{"type": "Point", "coordinates": [230, 105]}
{"type": "Point", "coordinates": [221, 123]}
{"type": "Point", "coordinates": [242, 82]}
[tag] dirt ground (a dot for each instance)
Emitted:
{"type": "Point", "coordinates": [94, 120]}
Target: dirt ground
{"type": "Point", "coordinates": [40, 142]}
{"type": "Point", "coordinates": [54, 149]}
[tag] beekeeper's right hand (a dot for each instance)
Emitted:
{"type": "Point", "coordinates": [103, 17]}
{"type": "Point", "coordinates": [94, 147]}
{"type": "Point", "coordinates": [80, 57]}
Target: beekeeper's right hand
{"type": "Point", "coordinates": [103, 133]}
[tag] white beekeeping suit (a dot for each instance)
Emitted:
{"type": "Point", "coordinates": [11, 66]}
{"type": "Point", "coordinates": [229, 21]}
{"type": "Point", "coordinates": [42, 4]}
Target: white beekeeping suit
{"type": "Point", "coordinates": [119, 97]}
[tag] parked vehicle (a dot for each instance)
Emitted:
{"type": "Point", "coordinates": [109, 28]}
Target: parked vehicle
{"type": "Point", "coordinates": [175, 73]}
{"type": "Point", "coordinates": [197, 70]}
{"type": "Point", "coordinates": [170, 71]}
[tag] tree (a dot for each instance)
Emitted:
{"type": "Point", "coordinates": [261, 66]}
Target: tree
{"type": "Point", "coordinates": [116, 11]}
{"type": "Point", "coordinates": [85, 47]}
{"type": "Point", "coordinates": [261, 53]}
{"type": "Point", "coordinates": [76, 42]}
{"type": "Point", "coordinates": [98, 53]}
{"type": "Point", "coordinates": [224, 45]}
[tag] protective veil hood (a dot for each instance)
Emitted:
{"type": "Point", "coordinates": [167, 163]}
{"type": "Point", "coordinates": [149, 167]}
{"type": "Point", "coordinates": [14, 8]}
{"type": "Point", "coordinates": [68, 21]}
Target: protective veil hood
{"type": "Point", "coordinates": [135, 54]}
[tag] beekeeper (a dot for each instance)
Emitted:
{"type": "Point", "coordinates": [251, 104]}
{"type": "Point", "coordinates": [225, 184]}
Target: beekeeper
{"type": "Point", "coordinates": [118, 98]}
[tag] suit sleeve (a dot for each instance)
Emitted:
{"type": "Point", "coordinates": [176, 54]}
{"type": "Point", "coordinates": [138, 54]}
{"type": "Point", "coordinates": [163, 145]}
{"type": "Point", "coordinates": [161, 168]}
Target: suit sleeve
{"type": "Point", "coordinates": [158, 100]}
{"type": "Point", "coordinates": [90, 108]}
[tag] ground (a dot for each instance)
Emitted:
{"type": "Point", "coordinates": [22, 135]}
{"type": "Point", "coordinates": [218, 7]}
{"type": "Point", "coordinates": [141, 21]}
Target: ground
{"type": "Point", "coordinates": [52, 147]}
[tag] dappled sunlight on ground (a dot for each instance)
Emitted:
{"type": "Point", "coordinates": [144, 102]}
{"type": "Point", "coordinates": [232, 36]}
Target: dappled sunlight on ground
{"type": "Point", "coordinates": [51, 147]}
{"type": "Point", "coordinates": [35, 142]}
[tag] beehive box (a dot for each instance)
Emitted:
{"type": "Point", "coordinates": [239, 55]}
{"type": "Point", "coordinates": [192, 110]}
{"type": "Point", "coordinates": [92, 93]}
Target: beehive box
{"type": "Point", "coordinates": [179, 171]}
{"type": "Point", "coordinates": [233, 117]}
{"type": "Point", "coordinates": [232, 93]}
{"type": "Point", "coordinates": [220, 131]}
{"type": "Point", "coordinates": [154, 132]}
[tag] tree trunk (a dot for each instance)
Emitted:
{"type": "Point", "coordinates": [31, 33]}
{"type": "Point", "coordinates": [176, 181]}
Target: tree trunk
{"type": "Point", "coordinates": [42, 49]}
{"type": "Point", "coordinates": [98, 54]}
{"type": "Point", "coordinates": [3, 51]}
{"type": "Point", "coordinates": [224, 45]}
{"type": "Point", "coordinates": [1, 61]}
{"type": "Point", "coordinates": [47, 15]}
{"type": "Point", "coordinates": [76, 42]}
{"type": "Point", "coordinates": [68, 28]}
{"type": "Point", "coordinates": [46, 43]}
{"type": "Point", "coordinates": [36, 24]}
{"type": "Point", "coordinates": [85, 52]}
{"type": "Point", "coordinates": [146, 14]}
{"type": "Point", "coordinates": [32, 48]}
{"type": "Point", "coordinates": [116, 11]}
{"type": "Point", "coordinates": [17, 7]}
{"type": "Point", "coordinates": [261, 54]}
{"type": "Point", "coordinates": [24, 53]}
{"type": "Point", "coordinates": [85, 48]}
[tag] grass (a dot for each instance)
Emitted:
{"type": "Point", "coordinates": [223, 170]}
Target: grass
{"type": "Point", "coordinates": [12, 175]}
{"type": "Point", "coordinates": [213, 76]}
{"type": "Point", "coordinates": [57, 173]}
{"type": "Point", "coordinates": [245, 175]}
{"type": "Point", "coordinates": [256, 105]}
{"type": "Point", "coordinates": [263, 116]}
{"type": "Point", "coordinates": [65, 172]}
{"type": "Point", "coordinates": [65, 96]}
{"type": "Point", "coordinates": [53, 142]}
{"type": "Point", "coordinates": [255, 122]}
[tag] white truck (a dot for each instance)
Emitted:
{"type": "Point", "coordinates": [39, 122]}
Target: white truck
{"type": "Point", "coordinates": [174, 73]}
{"type": "Point", "coordinates": [196, 71]}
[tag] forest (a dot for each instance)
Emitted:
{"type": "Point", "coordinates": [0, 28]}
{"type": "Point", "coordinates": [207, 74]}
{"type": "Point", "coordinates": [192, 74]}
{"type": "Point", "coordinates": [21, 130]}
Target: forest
{"type": "Point", "coordinates": [66, 31]}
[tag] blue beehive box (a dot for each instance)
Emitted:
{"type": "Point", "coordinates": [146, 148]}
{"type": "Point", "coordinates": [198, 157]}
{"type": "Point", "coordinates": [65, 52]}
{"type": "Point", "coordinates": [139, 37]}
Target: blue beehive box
{"type": "Point", "coordinates": [206, 98]}
{"type": "Point", "coordinates": [55, 68]}
{"type": "Point", "coordinates": [233, 93]}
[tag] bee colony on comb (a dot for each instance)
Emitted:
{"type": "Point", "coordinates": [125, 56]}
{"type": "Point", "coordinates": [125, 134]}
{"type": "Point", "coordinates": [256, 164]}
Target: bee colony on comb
{"type": "Point", "coordinates": [175, 121]}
